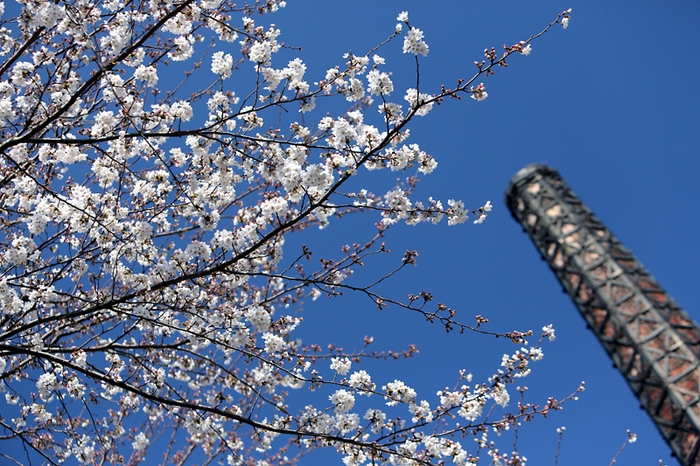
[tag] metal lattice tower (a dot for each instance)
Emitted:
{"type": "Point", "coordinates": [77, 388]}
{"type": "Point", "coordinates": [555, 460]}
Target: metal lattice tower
{"type": "Point", "coordinates": [651, 340]}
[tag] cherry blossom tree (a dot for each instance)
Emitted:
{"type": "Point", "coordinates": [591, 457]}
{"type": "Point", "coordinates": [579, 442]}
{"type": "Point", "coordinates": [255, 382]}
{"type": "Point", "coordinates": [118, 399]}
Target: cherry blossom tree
{"type": "Point", "coordinates": [146, 308]}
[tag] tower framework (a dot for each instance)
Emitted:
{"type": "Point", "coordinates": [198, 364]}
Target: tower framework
{"type": "Point", "coordinates": [651, 340]}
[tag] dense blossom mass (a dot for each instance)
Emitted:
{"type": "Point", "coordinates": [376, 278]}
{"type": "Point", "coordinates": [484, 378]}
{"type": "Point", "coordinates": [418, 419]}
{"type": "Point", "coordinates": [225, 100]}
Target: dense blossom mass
{"type": "Point", "coordinates": [147, 299]}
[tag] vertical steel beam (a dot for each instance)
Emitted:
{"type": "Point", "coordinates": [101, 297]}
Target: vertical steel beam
{"type": "Point", "coordinates": [651, 340]}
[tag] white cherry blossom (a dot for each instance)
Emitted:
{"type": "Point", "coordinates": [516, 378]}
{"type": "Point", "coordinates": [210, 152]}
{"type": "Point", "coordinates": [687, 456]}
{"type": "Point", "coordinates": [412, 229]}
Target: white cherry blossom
{"type": "Point", "coordinates": [153, 259]}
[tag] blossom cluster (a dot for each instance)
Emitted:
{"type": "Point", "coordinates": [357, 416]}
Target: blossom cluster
{"type": "Point", "coordinates": [147, 291]}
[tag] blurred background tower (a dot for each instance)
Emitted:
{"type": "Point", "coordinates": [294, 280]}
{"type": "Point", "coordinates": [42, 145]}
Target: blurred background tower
{"type": "Point", "coordinates": [651, 340]}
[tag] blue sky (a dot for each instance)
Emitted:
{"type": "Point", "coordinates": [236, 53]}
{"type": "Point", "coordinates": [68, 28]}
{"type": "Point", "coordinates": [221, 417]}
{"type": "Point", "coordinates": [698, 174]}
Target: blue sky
{"type": "Point", "coordinates": [612, 104]}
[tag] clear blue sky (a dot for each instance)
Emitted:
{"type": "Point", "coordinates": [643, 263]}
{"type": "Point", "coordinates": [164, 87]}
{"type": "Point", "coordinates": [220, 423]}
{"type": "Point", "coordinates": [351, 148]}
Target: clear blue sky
{"type": "Point", "coordinates": [612, 103]}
